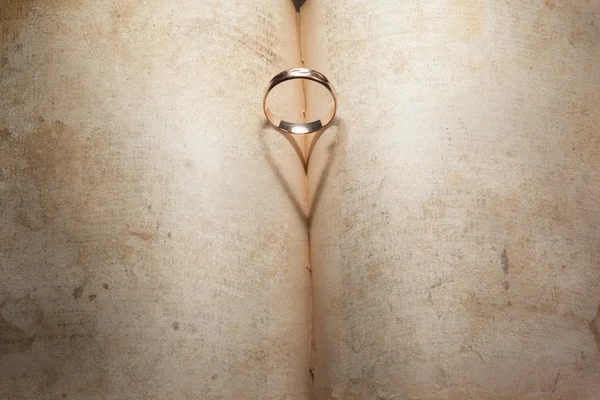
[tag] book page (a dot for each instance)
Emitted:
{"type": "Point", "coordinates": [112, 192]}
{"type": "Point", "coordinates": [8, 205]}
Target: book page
{"type": "Point", "coordinates": [152, 237]}
{"type": "Point", "coordinates": [455, 237]}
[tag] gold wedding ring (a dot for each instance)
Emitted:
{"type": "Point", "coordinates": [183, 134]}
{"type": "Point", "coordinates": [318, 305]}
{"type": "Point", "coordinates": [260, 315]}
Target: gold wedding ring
{"type": "Point", "coordinates": [296, 127]}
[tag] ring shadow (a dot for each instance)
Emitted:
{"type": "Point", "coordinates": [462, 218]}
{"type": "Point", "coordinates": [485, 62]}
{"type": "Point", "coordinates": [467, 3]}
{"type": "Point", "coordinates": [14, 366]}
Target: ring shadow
{"type": "Point", "coordinates": [322, 176]}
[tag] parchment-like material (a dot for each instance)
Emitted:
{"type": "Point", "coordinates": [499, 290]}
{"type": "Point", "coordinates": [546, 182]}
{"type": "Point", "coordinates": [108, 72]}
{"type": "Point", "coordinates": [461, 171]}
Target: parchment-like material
{"type": "Point", "coordinates": [455, 241]}
{"type": "Point", "coordinates": [147, 248]}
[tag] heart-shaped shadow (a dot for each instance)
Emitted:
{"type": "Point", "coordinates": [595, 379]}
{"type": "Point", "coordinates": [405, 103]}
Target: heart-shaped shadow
{"type": "Point", "coordinates": [326, 148]}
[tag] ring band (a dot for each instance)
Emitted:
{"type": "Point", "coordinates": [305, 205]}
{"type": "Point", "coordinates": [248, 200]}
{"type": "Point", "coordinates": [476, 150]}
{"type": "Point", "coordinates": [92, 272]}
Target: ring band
{"type": "Point", "coordinates": [294, 127]}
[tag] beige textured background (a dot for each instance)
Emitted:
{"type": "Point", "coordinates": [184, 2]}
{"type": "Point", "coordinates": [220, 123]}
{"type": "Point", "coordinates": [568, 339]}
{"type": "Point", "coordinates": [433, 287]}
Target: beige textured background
{"type": "Point", "coordinates": [151, 238]}
{"type": "Point", "coordinates": [147, 248]}
{"type": "Point", "coordinates": [456, 241]}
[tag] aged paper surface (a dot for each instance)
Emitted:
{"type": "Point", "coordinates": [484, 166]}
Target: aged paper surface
{"type": "Point", "coordinates": [147, 248]}
{"type": "Point", "coordinates": [455, 243]}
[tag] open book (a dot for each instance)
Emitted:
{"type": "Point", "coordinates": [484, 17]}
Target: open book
{"type": "Point", "coordinates": [158, 240]}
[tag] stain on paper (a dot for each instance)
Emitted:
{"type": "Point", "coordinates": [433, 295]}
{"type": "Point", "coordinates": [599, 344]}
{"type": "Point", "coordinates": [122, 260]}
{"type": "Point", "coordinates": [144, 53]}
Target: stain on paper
{"type": "Point", "coordinates": [78, 292]}
{"type": "Point", "coordinates": [505, 262]}
{"type": "Point", "coordinates": [13, 339]}
{"type": "Point", "coordinates": [468, 18]}
{"type": "Point", "coordinates": [595, 328]}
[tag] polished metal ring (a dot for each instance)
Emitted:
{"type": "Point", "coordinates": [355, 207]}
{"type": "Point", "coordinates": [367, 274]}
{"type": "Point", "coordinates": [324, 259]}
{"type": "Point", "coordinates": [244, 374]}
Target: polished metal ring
{"type": "Point", "coordinates": [297, 127]}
